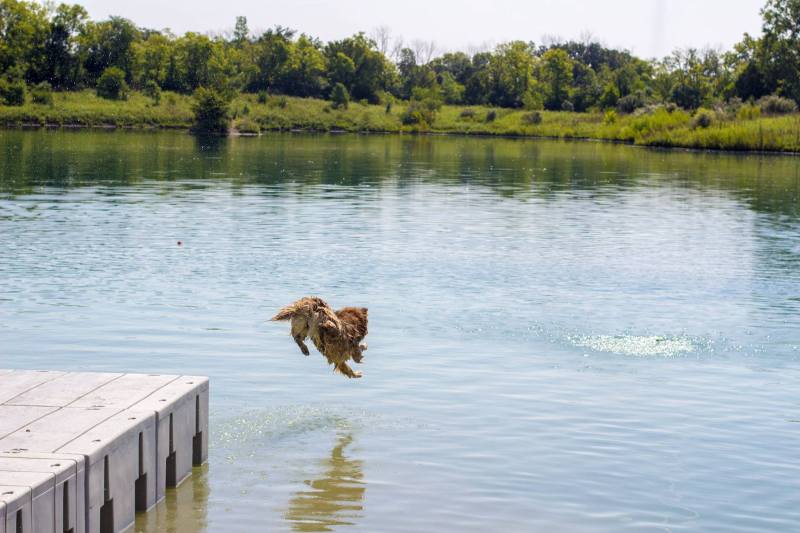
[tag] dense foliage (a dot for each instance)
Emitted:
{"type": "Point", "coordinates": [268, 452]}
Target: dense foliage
{"type": "Point", "coordinates": [211, 111]}
{"type": "Point", "coordinates": [61, 46]}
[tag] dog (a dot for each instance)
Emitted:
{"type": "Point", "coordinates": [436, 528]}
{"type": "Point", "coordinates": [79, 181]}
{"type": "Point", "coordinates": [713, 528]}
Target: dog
{"type": "Point", "coordinates": [336, 334]}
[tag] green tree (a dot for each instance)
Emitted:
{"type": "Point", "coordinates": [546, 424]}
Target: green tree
{"type": "Point", "coordinates": [111, 84]}
{"type": "Point", "coordinates": [12, 91]}
{"type": "Point", "coordinates": [477, 86]}
{"type": "Point", "coordinates": [194, 54]}
{"type": "Point", "coordinates": [452, 91]}
{"type": "Point", "coordinates": [457, 64]}
{"type": "Point", "coordinates": [23, 32]}
{"type": "Point", "coordinates": [305, 70]}
{"type": "Point", "coordinates": [780, 58]}
{"type": "Point", "coordinates": [241, 32]}
{"type": "Point", "coordinates": [369, 67]}
{"type": "Point", "coordinates": [211, 111]}
{"type": "Point", "coordinates": [586, 87]}
{"type": "Point", "coordinates": [693, 85]}
{"type": "Point", "coordinates": [610, 96]}
{"type": "Point", "coordinates": [152, 90]}
{"type": "Point", "coordinates": [271, 54]}
{"type": "Point", "coordinates": [510, 73]}
{"type": "Point", "coordinates": [340, 98]}
{"type": "Point", "coordinates": [556, 75]}
{"type": "Point", "coordinates": [63, 67]}
{"type": "Point", "coordinates": [747, 61]}
{"type": "Point", "coordinates": [109, 44]}
{"type": "Point", "coordinates": [151, 59]}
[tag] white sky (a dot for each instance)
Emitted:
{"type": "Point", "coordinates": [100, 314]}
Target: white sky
{"type": "Point", "coordinates": [647, 27]}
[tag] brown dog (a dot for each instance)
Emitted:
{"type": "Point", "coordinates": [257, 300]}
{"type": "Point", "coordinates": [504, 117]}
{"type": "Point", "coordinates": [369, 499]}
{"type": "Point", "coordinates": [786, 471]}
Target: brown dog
{"type": "Point", "coordinates": [337, 335]}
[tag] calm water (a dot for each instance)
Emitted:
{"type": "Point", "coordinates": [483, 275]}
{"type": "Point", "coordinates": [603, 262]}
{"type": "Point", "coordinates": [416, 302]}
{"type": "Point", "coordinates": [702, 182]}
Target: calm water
{"type": "Point", "coordinates": [564, 337]}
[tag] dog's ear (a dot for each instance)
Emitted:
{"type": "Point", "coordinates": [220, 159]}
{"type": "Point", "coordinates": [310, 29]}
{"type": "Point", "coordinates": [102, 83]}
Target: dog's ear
{"type": "Point", "coordinates": [364, 310]}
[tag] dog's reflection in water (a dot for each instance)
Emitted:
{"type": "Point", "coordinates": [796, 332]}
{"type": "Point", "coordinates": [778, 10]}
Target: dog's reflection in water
{"type": "Point", "coordinates": [334, 498]}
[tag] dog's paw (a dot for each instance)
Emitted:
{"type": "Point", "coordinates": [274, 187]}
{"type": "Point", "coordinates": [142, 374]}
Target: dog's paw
{"type": "Point", "coordinates": [356, 375]}
{"type": "Point", "coordinates": [305, 350]}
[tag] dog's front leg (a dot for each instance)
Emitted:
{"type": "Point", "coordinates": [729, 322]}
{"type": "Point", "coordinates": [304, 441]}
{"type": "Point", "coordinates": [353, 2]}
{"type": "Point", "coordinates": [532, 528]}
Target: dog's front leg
{"type": "Point", "coordinates": [342, 368]}
{"type": "Point", "coordinates": [357, 354]}
{"type": "Point", "coordinates": [299, 340]}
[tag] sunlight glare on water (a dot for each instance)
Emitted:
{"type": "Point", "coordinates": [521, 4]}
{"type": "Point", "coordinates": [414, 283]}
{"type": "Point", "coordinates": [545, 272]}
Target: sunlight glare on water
{"type": "Point", "coordinates": [637, 345]}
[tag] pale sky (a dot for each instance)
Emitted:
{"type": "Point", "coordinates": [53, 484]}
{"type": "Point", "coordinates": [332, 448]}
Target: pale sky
{"type": "Point", "coordinates": [647, 27]}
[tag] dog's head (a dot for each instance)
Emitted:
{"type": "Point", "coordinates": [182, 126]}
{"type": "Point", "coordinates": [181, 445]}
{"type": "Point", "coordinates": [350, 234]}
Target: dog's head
{"type": "Point", "coordinates": [355, 320]}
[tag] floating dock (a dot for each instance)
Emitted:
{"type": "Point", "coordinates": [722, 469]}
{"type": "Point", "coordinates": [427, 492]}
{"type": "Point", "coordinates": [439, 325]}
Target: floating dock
{"type": "Point", "coordinates": [83, 452]}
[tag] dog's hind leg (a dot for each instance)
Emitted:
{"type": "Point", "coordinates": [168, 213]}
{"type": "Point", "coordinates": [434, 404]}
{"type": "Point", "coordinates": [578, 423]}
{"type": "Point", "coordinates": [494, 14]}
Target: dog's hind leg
{"type": "Point", "coordinates": [303, 348]}
{"type": "Point", "coordinates": [342, 368]}
{"type": "Point", "coordinates": [300, 332]}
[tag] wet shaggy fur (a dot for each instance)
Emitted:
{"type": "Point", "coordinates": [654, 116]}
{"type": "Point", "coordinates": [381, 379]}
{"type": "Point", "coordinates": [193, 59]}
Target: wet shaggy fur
{"type": "Point", "coordinates": [336, 334]}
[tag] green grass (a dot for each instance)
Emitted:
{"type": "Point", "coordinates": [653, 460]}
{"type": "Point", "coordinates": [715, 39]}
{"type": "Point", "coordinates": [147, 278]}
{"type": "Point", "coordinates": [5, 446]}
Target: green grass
{"type": "Point", "coordinates": [280, 113]}
{"type": "Point", "coordinates": [86, 109]}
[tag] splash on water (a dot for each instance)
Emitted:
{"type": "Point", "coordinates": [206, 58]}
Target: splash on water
{"type": "Point", "coordinates": [637, 346]}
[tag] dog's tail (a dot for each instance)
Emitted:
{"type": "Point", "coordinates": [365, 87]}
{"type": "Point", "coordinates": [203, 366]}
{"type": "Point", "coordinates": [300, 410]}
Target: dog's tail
{"type": "Point", "coordinates": [314, 310]}
{"type": "Point", "coordinates": [286, 313]}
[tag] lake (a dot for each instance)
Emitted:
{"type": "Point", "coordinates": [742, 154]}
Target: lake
{"type": "Point", "coordinates": [563, 336]}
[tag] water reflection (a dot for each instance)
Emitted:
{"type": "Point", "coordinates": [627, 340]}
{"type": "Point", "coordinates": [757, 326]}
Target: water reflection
{"type": "Point", "coordinates": [510, 168]}
{"type": "Point", "coordinates": [183, 510]}
{"type": "Point", "coordinates": [210, 145]}
{"type": "Point", "coordinates": [335, 497]}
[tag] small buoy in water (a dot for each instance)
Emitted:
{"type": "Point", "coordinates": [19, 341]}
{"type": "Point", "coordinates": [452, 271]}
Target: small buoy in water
{"type": "Point", "coordinates": [180, 243]}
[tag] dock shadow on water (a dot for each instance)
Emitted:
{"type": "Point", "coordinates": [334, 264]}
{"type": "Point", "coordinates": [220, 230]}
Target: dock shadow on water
{"type": "Point", "coordinates": [335, 497]}
{"type": "Point", "coordinates": [184, 508]}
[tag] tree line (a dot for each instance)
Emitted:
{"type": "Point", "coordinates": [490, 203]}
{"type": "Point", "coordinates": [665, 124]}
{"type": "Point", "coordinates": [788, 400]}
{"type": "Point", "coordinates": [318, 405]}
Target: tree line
{"type": "Point", "coordinates": [43, 45]}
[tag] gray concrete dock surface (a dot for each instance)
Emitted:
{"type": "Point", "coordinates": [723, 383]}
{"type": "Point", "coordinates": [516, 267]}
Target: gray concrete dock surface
{"type": "Point", "coordinates": [83, 452]}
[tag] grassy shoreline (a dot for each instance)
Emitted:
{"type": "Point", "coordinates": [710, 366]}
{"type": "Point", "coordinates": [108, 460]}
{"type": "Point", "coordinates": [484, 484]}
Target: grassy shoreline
{"type": "Point", "coordinates": [657, 128]}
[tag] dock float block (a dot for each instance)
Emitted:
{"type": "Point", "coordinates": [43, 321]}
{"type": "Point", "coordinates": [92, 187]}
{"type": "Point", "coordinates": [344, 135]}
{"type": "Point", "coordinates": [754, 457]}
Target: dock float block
{"type": "Point", "coordinates": [82, 452]}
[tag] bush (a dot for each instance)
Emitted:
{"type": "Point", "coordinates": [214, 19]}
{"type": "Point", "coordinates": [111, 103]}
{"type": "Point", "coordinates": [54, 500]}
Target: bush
{"type": "Point", "coordinates": [647, 110]}
{"type": "Point", "coordinates": [12, 92]}
{"type": "Point", "coordinates": [609, 97]}
{"type": "Point", "coordinates": [248, 126]}
{"type": "Point", "coordinates": [418, 112]}
{"type": "Point", "coordinates": [703, 118]}
{"type": "Point", "coordinates": [467, 113]}
{"type": "Point", "coordinates": [42, 93]}
{"type": "Point", "coordinates": [532, 118]}
{"type": "Point", "coordinates": [263, 97]}
{"type": "Point", "coordinates": [533, 100]}
{"type": "Point", "coordinates": [282, 102]}
{"type": "Point", "coordinates": [566, 105]}
{"type": "Point", "coordinates": [389, 107]}
{"type": "Point", "coordinates": [748, 112]}
{"type": "Point", "coordinates": [491, 115]}
{"type": "Point", "coordinates": [610, 117]}
{"type": "Point", "coordinates": [210, 111]}
{"type": "Point", "coordinates": [631, 102]}
{"type": "Point", "coordinates": [152, 90]}
{"type": "Point", "coordinates": [777, 105]}
{"type": "Point", "coordinates": [111, 84]}
{"type": "Point", "coordinates": [671, 107]}
{"type": "Point", "coordinates": [340, 98]}
{"type": "Point", "coordinates": [422, 108]}
{"type": "Point", "coordinates": [733, 105]}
